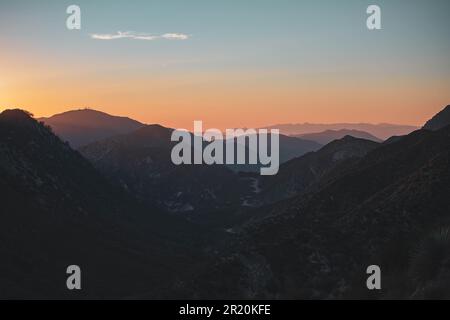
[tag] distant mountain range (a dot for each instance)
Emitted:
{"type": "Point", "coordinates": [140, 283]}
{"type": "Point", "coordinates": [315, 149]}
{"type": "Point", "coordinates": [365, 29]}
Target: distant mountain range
{"type": "Point", "coordinates": [84, 126]}
{"type": "Point", "coordinates": [327, 136]}
{"type": "Point", "coordinates": [381, 131]}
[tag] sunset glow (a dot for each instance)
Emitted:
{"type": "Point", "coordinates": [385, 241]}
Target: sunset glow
{"type": "Point", "coordinates": [227, 77]}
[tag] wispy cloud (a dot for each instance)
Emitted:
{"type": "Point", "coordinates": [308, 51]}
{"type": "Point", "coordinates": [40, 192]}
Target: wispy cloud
{"type": "Point", "coordinates": [139, 36]}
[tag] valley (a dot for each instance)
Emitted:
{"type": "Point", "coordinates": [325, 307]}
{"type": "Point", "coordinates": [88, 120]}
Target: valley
{"type": "Point", "coordinates": [211, 232]}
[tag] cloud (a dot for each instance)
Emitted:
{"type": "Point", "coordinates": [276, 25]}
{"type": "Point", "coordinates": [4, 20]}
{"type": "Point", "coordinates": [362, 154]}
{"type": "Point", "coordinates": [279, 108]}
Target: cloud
{"type": "Point", "coordinates": [175, 36]}
{"type": "Point", "coordinates": [139, 36]}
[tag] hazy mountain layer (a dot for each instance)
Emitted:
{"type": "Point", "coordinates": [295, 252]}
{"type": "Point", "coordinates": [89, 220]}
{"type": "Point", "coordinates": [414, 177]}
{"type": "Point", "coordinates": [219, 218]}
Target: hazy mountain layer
{"type": "Point", "coordinates": [382, 131]}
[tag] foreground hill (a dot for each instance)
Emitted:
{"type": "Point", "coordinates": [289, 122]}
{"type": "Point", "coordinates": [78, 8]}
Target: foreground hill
{"type": "Point", "coordinates": [389, 208]}
{"type": "Point", "coordinates": [80, 127]}
{"type": "Point", "coordinates": [57, 210]}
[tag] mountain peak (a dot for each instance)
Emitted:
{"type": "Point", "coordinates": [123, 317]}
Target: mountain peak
{"type": "Point", "coordinates": [17, 117]}
{"type": "Point", "coordinates": [89, 117]}
{"type": "Point", "coordinates": [349, 141]}
{"type": "Point", "coordinates": [83, 126]}
{"type": "Point", "coordinates": [439, 121]}
{"type": "Point", "coordinates": [348, 137]}
{"type": "Point", "coordinates": [15, 113]}
{"type": "Point", "coordinates": [329, 135]}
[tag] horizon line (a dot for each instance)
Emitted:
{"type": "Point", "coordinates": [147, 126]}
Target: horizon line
{"type": "Point", "coordinates": [267, 126]}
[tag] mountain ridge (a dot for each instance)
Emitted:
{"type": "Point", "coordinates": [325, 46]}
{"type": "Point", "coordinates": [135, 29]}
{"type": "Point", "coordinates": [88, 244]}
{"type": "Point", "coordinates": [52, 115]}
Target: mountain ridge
{"type": "Point", "coordinates": [439, 121]}
{"type": "Point", "coordinates": [382, 131]}
{"type": "Point", "coordinates": [327, 136]}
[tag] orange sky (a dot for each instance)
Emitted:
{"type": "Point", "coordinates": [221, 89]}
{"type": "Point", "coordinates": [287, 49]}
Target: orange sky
{"type": "Point", "coordinates": [226, 99]}
{"type": "Point", "coordinates": [239, 66]}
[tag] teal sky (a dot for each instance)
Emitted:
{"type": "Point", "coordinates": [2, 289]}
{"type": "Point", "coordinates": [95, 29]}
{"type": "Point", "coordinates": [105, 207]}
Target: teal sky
{"type": "Point", "coordinates": [326, 41]}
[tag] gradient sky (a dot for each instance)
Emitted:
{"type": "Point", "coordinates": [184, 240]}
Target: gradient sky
{"type": "Point", "coordinates": [246, 63]}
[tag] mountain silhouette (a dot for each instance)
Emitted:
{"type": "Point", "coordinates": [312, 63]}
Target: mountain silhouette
{"type": "Point", "coordinates": [121, 210]}
{"type": "Point", "coordinates": [80, 127]}
{"type": "Point", "coordinates": [289, 148]}
{"type": "Point", "coordinates": [58, 210]}
{"type": "Point", "coordinates": [439, 121]}
{"type": "Point", "coordinates": [293, 147]}
{"type": "Point", "coordinates": [389, 207]}
{"type": "Point", "coordinates": [298, 175]}
{"type": "Point", "coordinates": [141, 163]}
{"type": "Point", "coordinates": [382, 130]}
{"type": "Point", "coordinates": [327, 136]}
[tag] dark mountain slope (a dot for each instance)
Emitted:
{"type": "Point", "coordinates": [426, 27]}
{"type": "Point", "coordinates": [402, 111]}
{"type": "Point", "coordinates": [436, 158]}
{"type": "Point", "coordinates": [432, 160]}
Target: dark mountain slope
{"type": "Point", "coordinates": [293, 147]}
{"type": "Point", "coordinates": [439, 121]}
{"type": "Point", "coordinates": [57, 210]}
{"type": "Point", "coordinates": [327, 136]}
{"type": "Point", "coordinates": [80, 127]}
{"type": "Point", "coordinates": [383, 210]}
{"type": "Point", "coordinates": [289, 148]}
{"type": "Point", "coordinates": [297, 175]}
